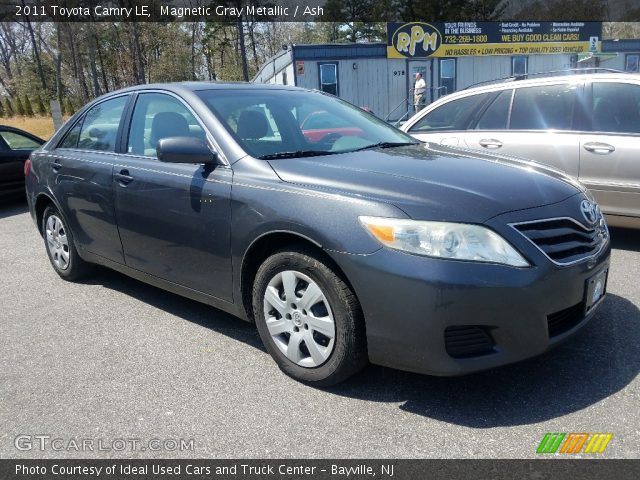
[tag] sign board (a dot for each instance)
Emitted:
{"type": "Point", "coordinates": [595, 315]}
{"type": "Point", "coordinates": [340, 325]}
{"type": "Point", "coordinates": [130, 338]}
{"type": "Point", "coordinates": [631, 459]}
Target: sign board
{"type": "Point", "coordinates": [299, 67]}
{"type": "Point", "coordinates": [460, 39]}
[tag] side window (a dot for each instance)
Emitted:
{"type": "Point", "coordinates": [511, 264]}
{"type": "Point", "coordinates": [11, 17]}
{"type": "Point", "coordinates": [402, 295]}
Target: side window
{"type": "Point", "coordinates": [157, 116]}
{"type": "Point", "coordinates": [632, 62]}
{"type": "Point", "coordinates": [99, 128]}
{"type": "Point", "coordinates": [72, 136]}
{"type": "Point", "coordinates": [496, 117]}
{"type": "Point", "coordinates": [519, 65]}
{"type": "Point", "coordinates": [453, 115]}
{"type": "Point", "coordinates": [615, 108]}
{"type": "Point", "coordinates": [548, 107]}
{"type": "Point", "coordinates": [329, 78]}
{"type": "Point", "coordinates": [17, 141]}
{"type": "Point", "coordinates": [448, 75]}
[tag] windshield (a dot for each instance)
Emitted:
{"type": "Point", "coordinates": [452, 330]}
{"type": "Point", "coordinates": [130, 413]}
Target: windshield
{"type": "Point", "coordinates": [298, 123]}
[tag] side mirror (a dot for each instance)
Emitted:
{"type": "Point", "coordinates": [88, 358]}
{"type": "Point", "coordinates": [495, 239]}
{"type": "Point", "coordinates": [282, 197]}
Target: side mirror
{"type": "Point", "coordinates": [185, 150]}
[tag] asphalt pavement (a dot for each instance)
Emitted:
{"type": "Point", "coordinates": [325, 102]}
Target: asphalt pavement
{"type": "Point", "coordinates": [114, 363]}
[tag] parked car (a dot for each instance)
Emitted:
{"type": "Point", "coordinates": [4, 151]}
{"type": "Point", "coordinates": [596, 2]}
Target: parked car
{"type": "Point", "coordinates": [588, 125]}
{"type": "Point", "coordinates": [15, 147]}
{"type": "Point", "coordinates": [414, 256]}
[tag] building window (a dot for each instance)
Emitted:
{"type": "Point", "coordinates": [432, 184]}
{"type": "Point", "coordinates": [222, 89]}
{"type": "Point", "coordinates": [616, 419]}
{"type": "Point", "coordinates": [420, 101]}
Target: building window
{"type": "Point", "coordinates": [519, 66]}
{"type": "Point", "coordinates": [329, 77]}
{"type": "Point", "coordinates": [447, 75]}
{"type": "Point", "coordinates": [631, 62]}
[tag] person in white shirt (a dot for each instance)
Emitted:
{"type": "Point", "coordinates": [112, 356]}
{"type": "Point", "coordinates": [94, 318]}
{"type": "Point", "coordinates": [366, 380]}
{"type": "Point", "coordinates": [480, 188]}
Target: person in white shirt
{"type": "Point", "coordinates": [418, 92]}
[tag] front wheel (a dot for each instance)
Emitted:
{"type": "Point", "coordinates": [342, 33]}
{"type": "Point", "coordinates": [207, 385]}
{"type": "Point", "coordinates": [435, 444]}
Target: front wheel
{"type": "Point", "coordinates": [308, 318]}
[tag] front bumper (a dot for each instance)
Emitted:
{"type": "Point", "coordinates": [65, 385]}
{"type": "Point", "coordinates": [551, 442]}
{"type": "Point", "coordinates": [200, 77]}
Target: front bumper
{"type": "Point", "coordinates": [409, 302]}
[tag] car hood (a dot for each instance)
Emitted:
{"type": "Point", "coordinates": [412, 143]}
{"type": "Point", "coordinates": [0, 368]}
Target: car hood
{"type": "Point", "coordinates": [434, 182]}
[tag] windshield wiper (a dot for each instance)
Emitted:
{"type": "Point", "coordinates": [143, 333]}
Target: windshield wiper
{"type": "Point", "coordinates": [385, 145]}
{"type": "Point", "coordinates": [296, 154]}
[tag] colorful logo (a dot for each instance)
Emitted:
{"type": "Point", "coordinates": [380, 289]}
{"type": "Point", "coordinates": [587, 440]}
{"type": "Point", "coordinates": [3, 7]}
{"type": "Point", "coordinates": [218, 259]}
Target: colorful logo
{"type": "Point", "coordinates": [416, 39]}
{"type": "Point", "coordinates": [574, 443]}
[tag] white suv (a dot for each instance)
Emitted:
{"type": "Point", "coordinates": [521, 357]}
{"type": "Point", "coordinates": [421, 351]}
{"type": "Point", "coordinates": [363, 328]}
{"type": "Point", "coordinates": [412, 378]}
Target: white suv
{"type": "Point", "coordinates": [585, 124]}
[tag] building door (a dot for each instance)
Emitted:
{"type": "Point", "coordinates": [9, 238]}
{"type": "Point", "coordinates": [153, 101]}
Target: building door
{"type": "Point", "coordinates": [423, 67]}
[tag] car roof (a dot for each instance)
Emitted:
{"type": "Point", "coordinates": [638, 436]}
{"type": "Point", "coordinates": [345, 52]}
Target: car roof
{"type": "Point", "coordinates": [206, 85]}
{"type": "Point", "coordinates": [580, 77]}
{"type": "Point", "coordinates": [196, 86]}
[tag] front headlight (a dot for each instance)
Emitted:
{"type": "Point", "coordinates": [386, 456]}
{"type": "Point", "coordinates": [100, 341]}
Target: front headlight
{"type": "Point", "coordinates": [458, 241]}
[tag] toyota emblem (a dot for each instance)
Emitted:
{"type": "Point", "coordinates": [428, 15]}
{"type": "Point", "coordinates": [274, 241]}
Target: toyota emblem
{"type": "Point", "coordinates": [589, 211]}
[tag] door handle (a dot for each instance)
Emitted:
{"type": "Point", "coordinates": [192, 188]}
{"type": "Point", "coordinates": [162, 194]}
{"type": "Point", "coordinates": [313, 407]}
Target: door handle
{"type": "Point", "coordinates": [56, 165]}
{"type": "Point", "coordinates": [490, 143]}
{"type": "Point", "coordinates": [599, 148]}
{"type": "Point", "coordinates": [123, 177]}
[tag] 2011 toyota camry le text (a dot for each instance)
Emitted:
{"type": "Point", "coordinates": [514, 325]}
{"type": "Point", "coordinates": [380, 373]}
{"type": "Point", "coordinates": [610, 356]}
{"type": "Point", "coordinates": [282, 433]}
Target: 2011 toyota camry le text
{"type": "Point", "coordinates": [345, 240]}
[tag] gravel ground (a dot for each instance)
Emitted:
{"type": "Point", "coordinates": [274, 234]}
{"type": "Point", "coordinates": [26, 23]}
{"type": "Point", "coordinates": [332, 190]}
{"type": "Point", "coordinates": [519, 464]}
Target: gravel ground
{"type": "Point", "coordinates": [112, 358]}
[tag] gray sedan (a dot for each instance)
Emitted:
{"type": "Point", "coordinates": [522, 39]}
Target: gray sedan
{"type": "Point", "coordinates": [345, 244]}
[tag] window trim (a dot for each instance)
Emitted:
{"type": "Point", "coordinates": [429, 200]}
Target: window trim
{"type": "Point", "coordinates": [335, 64]}
{"type": "Point", "coordinates": [82, 116]}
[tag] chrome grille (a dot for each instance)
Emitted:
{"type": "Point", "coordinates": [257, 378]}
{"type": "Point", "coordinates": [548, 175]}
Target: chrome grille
{"type": "Point", "coordinates": [564, 240]}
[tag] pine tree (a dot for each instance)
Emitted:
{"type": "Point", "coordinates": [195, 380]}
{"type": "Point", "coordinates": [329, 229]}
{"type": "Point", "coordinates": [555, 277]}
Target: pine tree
{"type": "Point", "coordinates": [28, 108]}
{"type": "Point", "coordinates": [42, 110]}
{"type": "Point", "coordinates": [62, 109]}
{"type": "Point", "coordinates": [8, 107]}
{"type": "Point", "coordinates": [1, 110]}
{"type": "Point", "coordinates": [19, 107]}
{"type": "Point", "coordinates": [69, 107]}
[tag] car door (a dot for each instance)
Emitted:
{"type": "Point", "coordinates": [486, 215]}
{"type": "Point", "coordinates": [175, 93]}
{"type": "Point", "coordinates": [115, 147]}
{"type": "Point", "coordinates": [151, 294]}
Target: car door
{"type": "Point", "coordinates": [174, 219]}
{"type": "Point", "coordinates": [448, 123]}
{"type": "Point", "coordinates": [81, 177]}
{"type": "Point", "coordinates": [533, 122]}
{"type": "Point", "coordinates": [15, 148]}
{"type": "Point", "coordinates": [610, 151]}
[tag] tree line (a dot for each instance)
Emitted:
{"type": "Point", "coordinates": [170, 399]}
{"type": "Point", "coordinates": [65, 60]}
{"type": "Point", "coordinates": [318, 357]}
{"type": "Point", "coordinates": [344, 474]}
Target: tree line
{"type": "Point", "coordinates": [74, 62]}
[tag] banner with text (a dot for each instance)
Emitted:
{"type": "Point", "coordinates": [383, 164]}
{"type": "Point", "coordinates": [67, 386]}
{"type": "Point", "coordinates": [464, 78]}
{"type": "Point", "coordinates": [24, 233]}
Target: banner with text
{"type": "Point", "coordinates": [462, 39]}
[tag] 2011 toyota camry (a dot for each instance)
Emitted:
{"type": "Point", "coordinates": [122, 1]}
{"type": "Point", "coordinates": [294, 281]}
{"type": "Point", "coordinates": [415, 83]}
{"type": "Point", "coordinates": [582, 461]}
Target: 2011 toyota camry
{"type": "Point", "coordinates": [344, 244]}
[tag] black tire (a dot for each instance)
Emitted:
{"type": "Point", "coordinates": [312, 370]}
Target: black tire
{"type": "Point", "coordinates": [76, 267]}
{"type": "Point", "coordinates": [349, 353]}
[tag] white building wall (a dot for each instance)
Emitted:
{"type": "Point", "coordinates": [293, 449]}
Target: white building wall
{"type": "Point", "coordinates": [382, 84]}
{"type": "Point", "coordinates": [372, 83]}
